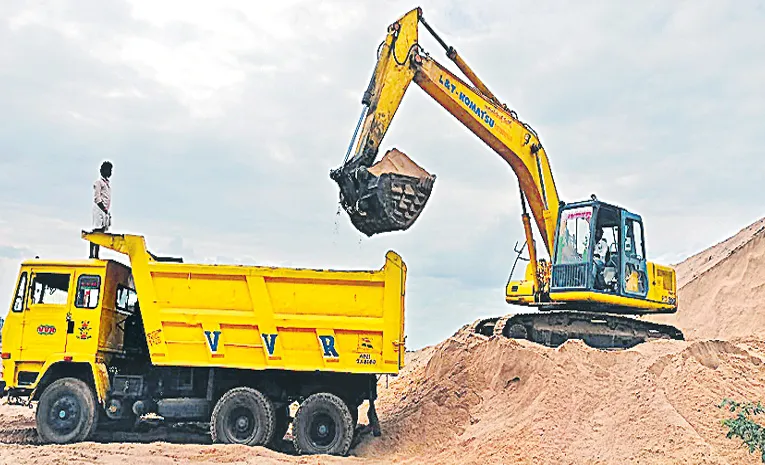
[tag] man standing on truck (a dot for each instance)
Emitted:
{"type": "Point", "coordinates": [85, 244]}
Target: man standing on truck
{"type": "Point", "coordinates": [102, 200]}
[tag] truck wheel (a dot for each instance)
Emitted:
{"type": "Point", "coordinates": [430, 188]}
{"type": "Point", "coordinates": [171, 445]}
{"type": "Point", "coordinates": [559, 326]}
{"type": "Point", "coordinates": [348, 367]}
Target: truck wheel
{"type": "Point", "coordinates": [243, 416]}
{"type": "Point", "coordinates": [323, 425]}
{"type": "Point", "coordinates": [67, 412]}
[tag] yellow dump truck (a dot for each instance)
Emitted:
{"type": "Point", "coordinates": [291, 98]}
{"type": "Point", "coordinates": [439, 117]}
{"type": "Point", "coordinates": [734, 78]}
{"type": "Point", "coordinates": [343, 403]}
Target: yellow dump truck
{"type": "Point", "coordinates": [99, 344]}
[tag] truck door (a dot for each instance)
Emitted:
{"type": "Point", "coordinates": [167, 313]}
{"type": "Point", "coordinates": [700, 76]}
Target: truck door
{"type": "Point", "coordinates": [45, 316]}
{"type": "Point", "coordinates": [634, 274]}
{"type": "Point", "coordinates": [83, 314]}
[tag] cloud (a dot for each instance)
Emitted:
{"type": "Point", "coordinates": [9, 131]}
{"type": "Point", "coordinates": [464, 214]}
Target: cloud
{"type": "Point", "coordinates": [8, 251]}
{"type": "Point", "coordinates": [223, 121]}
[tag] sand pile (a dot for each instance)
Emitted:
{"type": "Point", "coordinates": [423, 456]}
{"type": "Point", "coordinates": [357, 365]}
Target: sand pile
{"type": "Point", "coordinates": [506, 401]}
{"type": "Point", "coordinates": [694, 266]}
{"type": "Point", "coordinates": [722, 289]}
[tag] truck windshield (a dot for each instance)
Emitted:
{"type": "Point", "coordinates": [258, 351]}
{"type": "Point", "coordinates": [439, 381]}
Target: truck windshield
{"type": "Point", "coordinates": [574, 236]}
{"type": "Point", "coordinates": [50, 288]}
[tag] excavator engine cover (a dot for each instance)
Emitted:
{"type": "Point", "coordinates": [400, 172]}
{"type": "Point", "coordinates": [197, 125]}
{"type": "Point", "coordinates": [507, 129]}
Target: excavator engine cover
{"type": "Point", "coordinates": [387, 196]}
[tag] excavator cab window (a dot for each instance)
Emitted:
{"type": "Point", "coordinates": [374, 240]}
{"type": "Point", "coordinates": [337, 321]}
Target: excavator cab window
{"type": "Point", "coordinates": [633, 240]}
{"type": "Point", "coordinates": [574, 236]}
{"type": "Point", "coordinates": [578, 262]}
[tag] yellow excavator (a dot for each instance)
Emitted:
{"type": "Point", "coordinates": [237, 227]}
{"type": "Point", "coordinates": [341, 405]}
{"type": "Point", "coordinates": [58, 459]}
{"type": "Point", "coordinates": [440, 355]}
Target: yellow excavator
{"type": "Point", "coordinates": [596, 273]}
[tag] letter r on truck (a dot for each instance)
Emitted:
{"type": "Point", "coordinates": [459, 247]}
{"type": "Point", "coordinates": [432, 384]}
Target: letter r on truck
{"type": "Point", "coordinates": [328, 344]}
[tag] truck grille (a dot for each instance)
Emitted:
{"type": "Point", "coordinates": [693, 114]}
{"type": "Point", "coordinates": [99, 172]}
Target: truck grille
{"type": "Point", "coordinates": [570, 276]}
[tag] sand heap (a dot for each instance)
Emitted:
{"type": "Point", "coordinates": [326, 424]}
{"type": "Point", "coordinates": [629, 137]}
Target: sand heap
{"type": "Point", "coordinates": [506, 401]}
{"type": "Point", "coordinates": [722, 289]}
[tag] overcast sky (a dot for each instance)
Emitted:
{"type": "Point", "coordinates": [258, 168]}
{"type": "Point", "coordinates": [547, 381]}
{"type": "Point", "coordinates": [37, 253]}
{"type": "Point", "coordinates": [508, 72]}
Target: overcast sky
{"type": "Point", "coordinates": [223, 122]}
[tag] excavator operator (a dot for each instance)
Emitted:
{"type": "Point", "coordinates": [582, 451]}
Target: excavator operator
{"type": "Point", "coordinates": [599, 258]}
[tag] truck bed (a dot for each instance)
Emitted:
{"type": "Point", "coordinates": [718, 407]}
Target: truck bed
{"type": "Point", "coordinates": [257, 317]}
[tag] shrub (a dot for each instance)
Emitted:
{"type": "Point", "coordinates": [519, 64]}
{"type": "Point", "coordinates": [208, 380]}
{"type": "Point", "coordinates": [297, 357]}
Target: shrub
{"type": "Point", "coordinates": [742, 425]}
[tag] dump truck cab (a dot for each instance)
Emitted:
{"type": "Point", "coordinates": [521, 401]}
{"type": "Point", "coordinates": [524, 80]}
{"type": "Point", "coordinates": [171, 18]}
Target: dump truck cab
{"type": "Point", "coordinates": [64, 312]}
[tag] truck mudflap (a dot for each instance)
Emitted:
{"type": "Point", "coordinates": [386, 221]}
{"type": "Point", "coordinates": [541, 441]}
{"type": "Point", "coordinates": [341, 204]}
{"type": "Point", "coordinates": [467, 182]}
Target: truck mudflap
{"type": "Point", "coordinates": [600, 331]}
{"type": "Point", "coordinates": [101, 380]}
{"type": "Point", "coordinates": [387, 196]}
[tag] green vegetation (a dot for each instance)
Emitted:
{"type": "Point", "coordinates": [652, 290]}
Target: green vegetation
{"type": "Point", "coordinates": [742, 425]}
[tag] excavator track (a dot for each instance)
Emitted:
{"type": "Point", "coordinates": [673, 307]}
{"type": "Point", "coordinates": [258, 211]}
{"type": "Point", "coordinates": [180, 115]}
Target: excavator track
{"type": "Point", "coordinates": [601, 331]}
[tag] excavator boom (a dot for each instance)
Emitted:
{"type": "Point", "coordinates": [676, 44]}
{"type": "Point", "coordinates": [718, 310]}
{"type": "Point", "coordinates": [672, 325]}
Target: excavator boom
{"type": "Point", "coordinates": [511, 139]}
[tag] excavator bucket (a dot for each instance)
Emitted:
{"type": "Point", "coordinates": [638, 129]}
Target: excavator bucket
{"type": "Point", "coordinates": [387, 196]}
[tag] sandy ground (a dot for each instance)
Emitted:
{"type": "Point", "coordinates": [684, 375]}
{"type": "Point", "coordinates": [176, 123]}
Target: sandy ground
{"type": "Point", "coordinates": [476, 400]}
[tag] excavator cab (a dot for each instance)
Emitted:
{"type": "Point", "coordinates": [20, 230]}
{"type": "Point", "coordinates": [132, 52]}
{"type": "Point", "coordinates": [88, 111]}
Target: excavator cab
{"type": "Point", "coordinates": [599, 248]}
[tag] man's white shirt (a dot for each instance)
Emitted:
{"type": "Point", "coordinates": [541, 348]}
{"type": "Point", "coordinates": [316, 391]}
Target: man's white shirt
{"type": "Point", "coordinates": [600, 249]}
{"type": "Point", "coordinates": [102, 192]}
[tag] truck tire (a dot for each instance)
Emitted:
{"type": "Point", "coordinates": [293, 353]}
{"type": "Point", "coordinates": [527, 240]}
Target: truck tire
{"type": "Point", "coordinates": [67, 412]}
{"type": "Point", "coordinates": [323, 424]}
{"type": "Point", "coordinates": [243, 416]}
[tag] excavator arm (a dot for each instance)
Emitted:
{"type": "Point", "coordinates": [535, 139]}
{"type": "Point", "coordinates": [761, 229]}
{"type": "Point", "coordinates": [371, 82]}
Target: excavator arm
{"type": "Point", "coordinates": [402, 60]}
